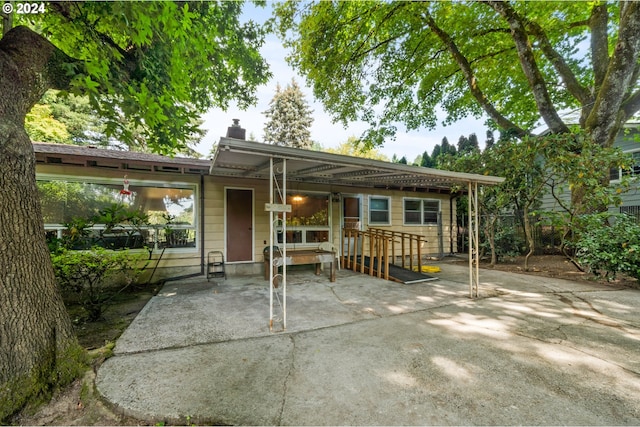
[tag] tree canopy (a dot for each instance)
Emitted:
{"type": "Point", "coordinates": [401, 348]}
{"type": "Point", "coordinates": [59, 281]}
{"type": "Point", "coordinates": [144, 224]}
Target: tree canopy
{"type": "Point", "coordinates": [517, 62]}
{"type": "Point", "coordinates": [148, 69]}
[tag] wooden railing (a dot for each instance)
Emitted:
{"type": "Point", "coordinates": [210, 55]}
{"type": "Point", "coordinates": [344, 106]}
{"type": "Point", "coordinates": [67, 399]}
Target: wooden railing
{"type": "Point", "coordinates": [356, 245]}
{"type": "Point", "coordinates": [408, 242]}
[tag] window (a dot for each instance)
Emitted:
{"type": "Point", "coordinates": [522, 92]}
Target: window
{"type": "Point", "coordinates": [634, 170]}
{"type": "Point", "coordinates": [421, 211]}
{"type": "Point", "coordinates": [308, 222]}
{"type": "Point", "coordinates": [379, 210]}
{"type": "Point", "coordinates": [167, 212]}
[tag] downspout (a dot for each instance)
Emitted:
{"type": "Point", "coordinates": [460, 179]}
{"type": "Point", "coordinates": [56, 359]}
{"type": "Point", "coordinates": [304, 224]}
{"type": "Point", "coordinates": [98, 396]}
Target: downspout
{"type": "Point", "coordinates": [451, 199]}
{"type": "Point", "coordinates": [202, 264]}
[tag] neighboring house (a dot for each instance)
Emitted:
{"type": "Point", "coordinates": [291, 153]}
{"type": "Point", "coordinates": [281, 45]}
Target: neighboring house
{"type": "Point", "coordinates": [219, 204]}
{"type": "Point", "coordinates": [629, 142]}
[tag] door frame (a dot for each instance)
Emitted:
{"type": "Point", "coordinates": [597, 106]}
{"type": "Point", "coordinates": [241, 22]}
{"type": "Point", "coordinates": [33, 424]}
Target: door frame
{"type": "Point", "coordinates": [360, 207]}
{"type": "Point", "coordinates": [253, 224]}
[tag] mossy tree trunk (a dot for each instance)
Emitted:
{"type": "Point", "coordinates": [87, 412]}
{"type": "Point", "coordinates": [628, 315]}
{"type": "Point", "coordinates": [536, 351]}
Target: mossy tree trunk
{"type": "Point", "coordinates": [36, 335]}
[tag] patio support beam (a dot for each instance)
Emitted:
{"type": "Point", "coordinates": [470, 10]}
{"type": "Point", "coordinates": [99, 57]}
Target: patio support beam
{"type": "Point", "coordinates": [474, 243]}
{"type": "Point", "coordinates": [277, 196]}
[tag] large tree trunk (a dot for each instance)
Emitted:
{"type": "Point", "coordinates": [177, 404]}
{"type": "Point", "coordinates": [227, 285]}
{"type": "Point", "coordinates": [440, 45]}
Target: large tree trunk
{"type": "Point", "coordinates": [36, 335]}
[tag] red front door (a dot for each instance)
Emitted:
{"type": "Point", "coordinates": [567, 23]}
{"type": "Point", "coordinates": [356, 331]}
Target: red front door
{"type": "Point", "coordinates": [239, 214]}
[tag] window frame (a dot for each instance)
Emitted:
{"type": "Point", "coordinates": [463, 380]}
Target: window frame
{"type": "Point", "coordinates": [137, 182]}
{"type": "Point", "coordinates": [304, 229]}
{"type": "Point", "coordinates": [369, 210]}
{"type": "Point", "coordinates": [421, 211]}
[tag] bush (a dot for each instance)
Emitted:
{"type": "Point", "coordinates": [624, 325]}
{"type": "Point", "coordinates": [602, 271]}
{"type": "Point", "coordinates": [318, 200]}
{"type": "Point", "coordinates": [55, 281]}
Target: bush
{"type": "Point", "coordinates": [95, 276]}
{"type": "Point", "coordinates": [608, 244]}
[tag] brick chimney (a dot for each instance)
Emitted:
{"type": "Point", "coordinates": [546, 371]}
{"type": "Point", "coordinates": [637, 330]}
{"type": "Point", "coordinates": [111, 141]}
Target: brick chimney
{"type": "Point", "coordinates": [235, 131]}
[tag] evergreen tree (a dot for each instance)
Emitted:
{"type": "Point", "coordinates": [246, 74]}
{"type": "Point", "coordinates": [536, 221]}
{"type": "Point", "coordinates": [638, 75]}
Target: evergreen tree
{"type": "Point", "coordinates": [473, 142]}
{"type": "Point", "coordinates": [427, 161]}
{"type": "Point", "coordinates": [289, 118]}
{"type": "Point", "coordinates": [463, 144]}
{"type": "Point", "coordinates": [490, 141]}
{"type": "Point", "coordinates": [437, 150]}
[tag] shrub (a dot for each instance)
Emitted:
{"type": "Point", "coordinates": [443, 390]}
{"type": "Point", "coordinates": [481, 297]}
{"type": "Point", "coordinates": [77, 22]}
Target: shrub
{"type": "Point", "coordinates": [94, 277]}
{"type": "Point", "coordinates": [608, 244]}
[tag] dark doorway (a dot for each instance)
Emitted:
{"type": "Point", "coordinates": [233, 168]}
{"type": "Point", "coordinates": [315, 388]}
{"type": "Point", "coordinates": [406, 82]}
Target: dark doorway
{"type": "Point", "coordinates": [239, 216]}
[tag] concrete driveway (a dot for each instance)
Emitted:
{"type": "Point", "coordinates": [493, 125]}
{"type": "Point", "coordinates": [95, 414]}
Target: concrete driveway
{"type": "Point", "coordinates": [363, 351]}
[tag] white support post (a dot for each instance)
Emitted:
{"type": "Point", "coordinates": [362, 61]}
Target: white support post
{"type": "Point", "coordinates": [277, 204]}
{"type": "Point", "coordinates": [474, 244]}
{"type": "Point", "coordinates": [271, 201]}
{"type": "Point", "coordinates": [284, 245]}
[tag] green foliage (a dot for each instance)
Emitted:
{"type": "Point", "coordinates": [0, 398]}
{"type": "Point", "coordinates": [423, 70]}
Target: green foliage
{"type": "Point", "coordinates": [608, 244]}
{"type": "Point", "coordinates": [86, 275]}
{"type": "Point", "coordinates": [149, 68]}
{"type": "Point", "coordinates": [404, 62]}
{"type": "Point", "coordinates": [355, 147]}
{"type": "Point", "coordinates": [42, 126]}
{"type": "Point", "coordinates": [536, 166]}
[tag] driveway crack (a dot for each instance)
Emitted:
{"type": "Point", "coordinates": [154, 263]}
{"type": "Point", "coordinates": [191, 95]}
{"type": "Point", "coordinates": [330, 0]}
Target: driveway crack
{"type": "Point", "coordinates": [285, 385]}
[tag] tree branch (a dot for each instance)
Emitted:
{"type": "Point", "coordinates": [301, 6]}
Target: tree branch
{"type": "Point", "coordinates": [605, 118]}
{"type": "Point", "coordinates": [465, 67]}
{"type": "Point", "coordinates": [530, 67]}
{"type": "Point", "coordinates": [562, 68]}
{"type": "Point", "coordinates": [599, 43]}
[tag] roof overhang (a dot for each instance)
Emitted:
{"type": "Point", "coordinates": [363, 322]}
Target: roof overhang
{"type": "Point", "coordinates": [74, 155]}
{"type": "Point", "coordinates": [247, 159]}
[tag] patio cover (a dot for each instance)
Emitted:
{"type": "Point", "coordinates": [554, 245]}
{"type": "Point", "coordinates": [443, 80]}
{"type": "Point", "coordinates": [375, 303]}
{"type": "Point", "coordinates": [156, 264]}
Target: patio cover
{"type": "Point", "coordinates": [247, 159]}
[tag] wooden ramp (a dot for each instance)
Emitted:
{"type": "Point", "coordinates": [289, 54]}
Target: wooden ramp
{"type": "Point", "coordinates": [397, 274]}
{"type": "Point", "coordinates": [373, 251]}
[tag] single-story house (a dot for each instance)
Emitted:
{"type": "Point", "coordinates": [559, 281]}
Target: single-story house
{"type": "Point", "coordinates": [200, 206]}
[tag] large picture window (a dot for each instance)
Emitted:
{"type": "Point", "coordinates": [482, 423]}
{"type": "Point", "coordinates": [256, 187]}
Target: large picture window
{"type": "Point", "coordinates": [421, 211]}
{"type": "Point", "coordinates": [379, 210]}
{"type": "Point", "coordinates": [308, 222]}
{"type": "Point", "coordinates": [162, 214]}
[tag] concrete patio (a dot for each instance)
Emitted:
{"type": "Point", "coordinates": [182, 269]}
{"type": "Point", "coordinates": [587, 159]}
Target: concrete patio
{"type": "Point", "coordinates": [363, 351]}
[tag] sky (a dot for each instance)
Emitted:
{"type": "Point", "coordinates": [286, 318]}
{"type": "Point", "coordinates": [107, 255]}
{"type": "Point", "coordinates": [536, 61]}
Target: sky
{"type": "Point", "coordinates": [328, 134]}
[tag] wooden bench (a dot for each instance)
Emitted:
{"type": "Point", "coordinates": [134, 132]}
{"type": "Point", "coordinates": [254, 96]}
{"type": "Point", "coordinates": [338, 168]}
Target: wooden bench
{"type": "Point", "coordinates": [301, 257]}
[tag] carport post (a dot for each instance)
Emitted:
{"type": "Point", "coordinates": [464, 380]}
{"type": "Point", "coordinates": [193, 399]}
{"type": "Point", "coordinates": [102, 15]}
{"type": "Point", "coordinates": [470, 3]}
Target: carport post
{"type": "Point", "coordinates": [281, 196]}
{"type": "Point", "coordinates": [474, 245]}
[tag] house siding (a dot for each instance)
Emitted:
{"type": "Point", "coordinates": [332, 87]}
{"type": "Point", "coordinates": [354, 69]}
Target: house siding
{"type": "Point", "coordinates": [183, 261]}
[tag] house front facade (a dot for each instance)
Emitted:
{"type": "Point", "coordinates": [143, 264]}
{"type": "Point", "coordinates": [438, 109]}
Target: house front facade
{"type": "Point", "coordinates": [197, 206]}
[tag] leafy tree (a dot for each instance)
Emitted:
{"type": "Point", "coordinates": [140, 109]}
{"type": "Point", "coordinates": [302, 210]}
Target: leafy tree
{"type": "Point", "coordinates": [354, 147]}
{"type": "Point", "coordinates": [516, 62]}
{"type": "Point", "coordinates": [42, 126]}
{"type": "Point", "coordinates": [83, 126]}
{"type": "Point", "coordinates": [145, 66]}
{"type": "Point", "coordinates": [289, 118]}
{"type": "Point", "coordinates": [539, 165]}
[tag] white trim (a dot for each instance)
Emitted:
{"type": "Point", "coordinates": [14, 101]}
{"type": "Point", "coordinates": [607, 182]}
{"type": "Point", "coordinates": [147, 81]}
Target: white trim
{"type": "Point", "coordinates": [389, 203]}
{"type": "Point", "coordinates": [253, 224]}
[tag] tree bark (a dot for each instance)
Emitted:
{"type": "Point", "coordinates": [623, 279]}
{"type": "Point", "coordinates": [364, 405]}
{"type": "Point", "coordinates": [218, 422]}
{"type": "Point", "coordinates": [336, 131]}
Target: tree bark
{"type": "Point", "coordinates": [36, 334]}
